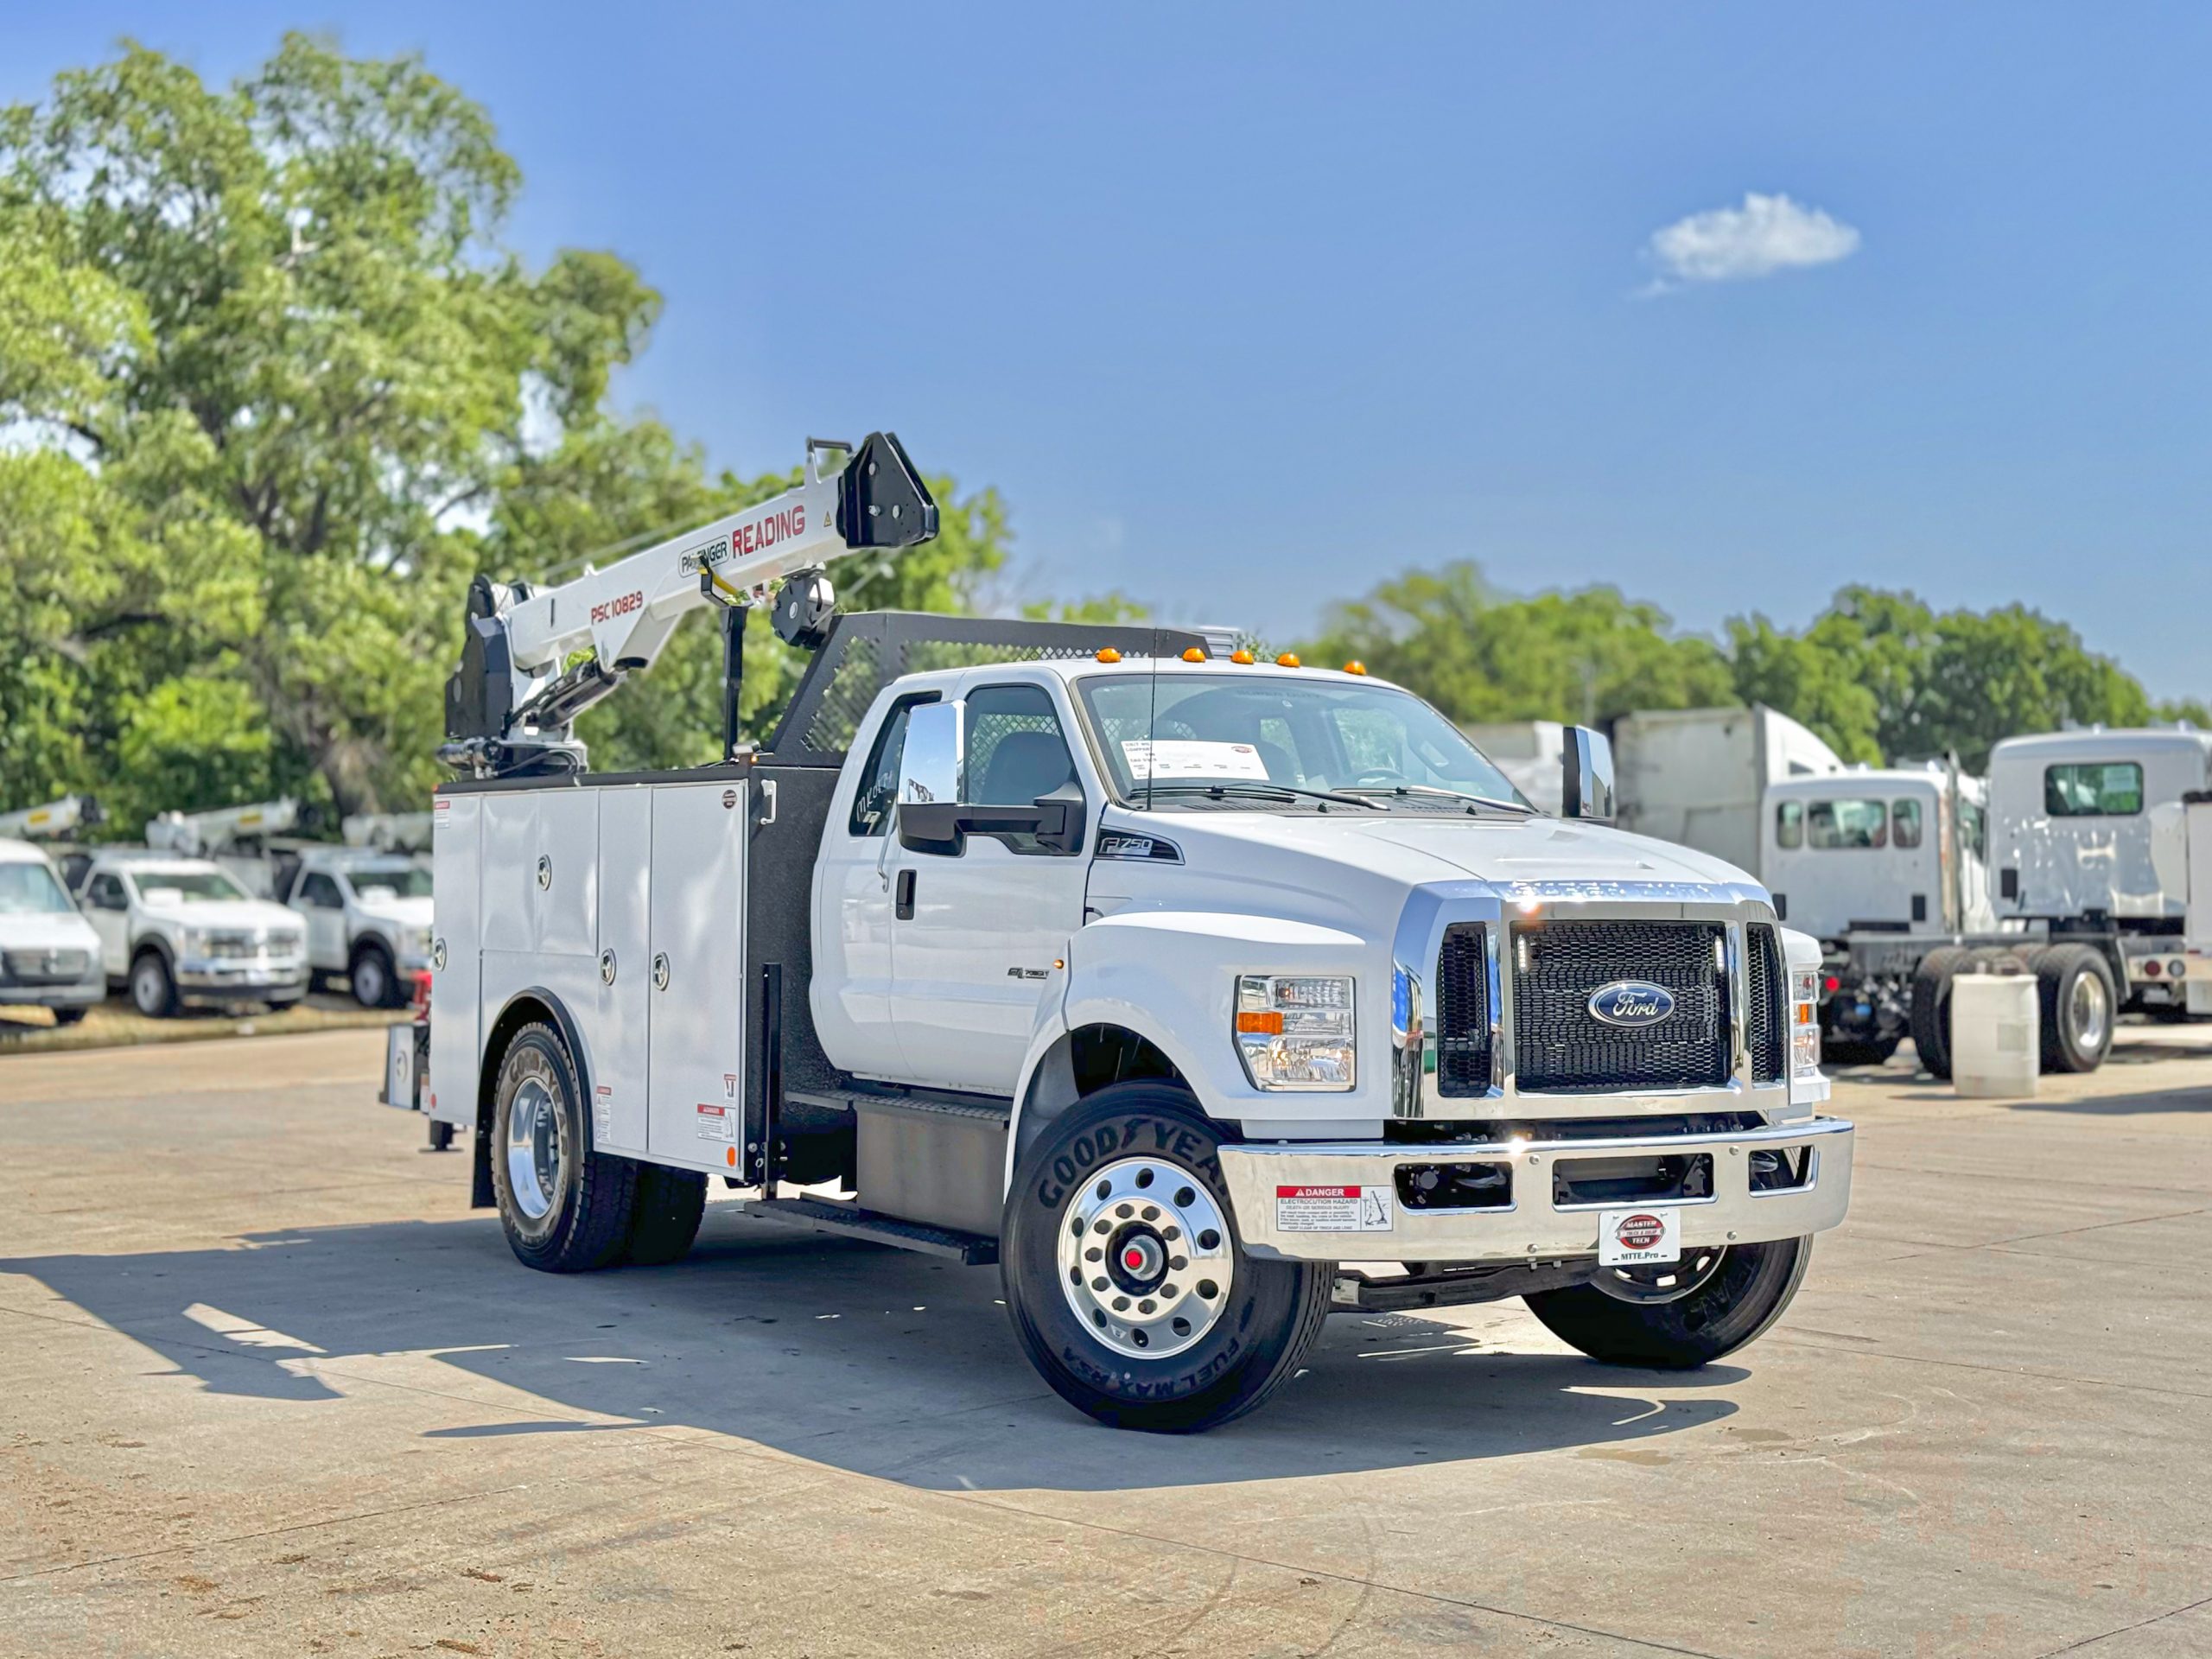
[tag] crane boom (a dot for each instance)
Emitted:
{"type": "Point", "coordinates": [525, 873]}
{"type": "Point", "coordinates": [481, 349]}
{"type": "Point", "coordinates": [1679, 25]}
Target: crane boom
{"type": "Point", "coordinates": [54, 818]}
{"type": "Point", "coordinates": [510, 705]}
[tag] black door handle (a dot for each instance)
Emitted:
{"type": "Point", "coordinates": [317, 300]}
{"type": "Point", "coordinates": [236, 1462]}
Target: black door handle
{"type": "Point", "coordinates": [903, 898]}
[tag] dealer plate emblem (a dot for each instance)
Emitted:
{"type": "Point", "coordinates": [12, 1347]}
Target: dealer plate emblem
{"type": "Point", "coordinates": [1631, 1003]}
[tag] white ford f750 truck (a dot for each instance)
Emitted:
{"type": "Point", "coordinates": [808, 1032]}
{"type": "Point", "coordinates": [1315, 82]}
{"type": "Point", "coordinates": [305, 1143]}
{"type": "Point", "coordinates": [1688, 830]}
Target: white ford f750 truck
{"type": "Point", "coordinates": [1204, 995]}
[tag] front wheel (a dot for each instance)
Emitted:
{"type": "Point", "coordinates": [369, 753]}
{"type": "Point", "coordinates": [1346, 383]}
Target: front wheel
{"type": "Point", "coordinates": [153, 991]}
{"type": "Point", "coordinates": [373, 976]}
{"type": "Point", "coordinates": [1681, 1315]}
{"type": "Point", "coordinates": [1128, 1287]}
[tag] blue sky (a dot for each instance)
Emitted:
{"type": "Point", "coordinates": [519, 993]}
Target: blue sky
{"type": "Point", "coordinates": [1244, 310]}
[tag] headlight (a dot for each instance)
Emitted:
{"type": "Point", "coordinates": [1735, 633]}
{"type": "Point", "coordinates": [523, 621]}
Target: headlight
{"type": "Point", "coordinates": [1295, 1032]}
{"type": "Point", "coordinates": [195, 941]}
{"type": "Point", "coordinates": [1804, 1024]}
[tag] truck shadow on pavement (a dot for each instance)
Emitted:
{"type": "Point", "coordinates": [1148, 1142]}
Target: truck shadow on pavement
{"type": "Point", "coordinates": [868, 1359]}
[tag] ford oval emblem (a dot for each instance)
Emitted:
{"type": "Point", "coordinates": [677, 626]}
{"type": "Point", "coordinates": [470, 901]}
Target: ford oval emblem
{"type": "Point", "coordinates": [1633, 1003]}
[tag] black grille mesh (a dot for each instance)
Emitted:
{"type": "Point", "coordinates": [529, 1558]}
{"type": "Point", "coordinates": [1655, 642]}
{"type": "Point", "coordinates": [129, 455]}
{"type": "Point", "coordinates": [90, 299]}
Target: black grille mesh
{"type": "Point", "coordinates": [1767, 1005]}
{"type": "Point", "coordinates": [1559, 1045]}
{"type": "Point", "coordinates": [1462, 1013]}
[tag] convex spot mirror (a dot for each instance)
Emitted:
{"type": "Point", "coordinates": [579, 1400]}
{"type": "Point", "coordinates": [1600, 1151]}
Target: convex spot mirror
{"type": "Point", "coordinates": [933, 816]}
{"type": "Point", "coordinates": [1586, 776]}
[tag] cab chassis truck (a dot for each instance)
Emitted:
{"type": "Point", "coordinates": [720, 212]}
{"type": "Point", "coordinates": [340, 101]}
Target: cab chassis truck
{"type": "Point", "coordinates": [975, 957]}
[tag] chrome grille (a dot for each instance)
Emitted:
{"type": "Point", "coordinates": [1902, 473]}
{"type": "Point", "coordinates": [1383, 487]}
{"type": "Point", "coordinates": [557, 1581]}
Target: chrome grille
{"type": "Point", "coordinates": [48, 967]}
{"type": "Point", "coordinates": [1765, 1004]}
{"type": "Point", "coordinates": [1463, 1054]}
{"type": "Point", "coordinates": [233, 944]}
{"type": "Point", "coordinates": [1560, 1047]}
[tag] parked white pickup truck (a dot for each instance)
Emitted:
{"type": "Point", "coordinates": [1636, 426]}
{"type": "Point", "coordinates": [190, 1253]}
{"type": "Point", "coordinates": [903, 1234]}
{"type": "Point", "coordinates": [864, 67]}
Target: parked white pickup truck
{"type": "Point", "coordinates": [1205, 995]}
{"type": "Point", "coordinates": [367, 916]}
{"type": "Point", "coordinates": [181, 931]}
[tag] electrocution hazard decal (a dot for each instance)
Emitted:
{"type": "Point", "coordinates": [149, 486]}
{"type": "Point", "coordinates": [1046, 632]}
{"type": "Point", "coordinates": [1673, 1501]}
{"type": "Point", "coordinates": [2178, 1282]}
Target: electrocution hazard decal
{"type": "Point", "coordinates": [1332, 1209]}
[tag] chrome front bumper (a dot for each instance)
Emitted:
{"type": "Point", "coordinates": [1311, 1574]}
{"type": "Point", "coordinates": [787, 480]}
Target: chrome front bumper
{"type": "Point", "coordinates": [216, 976]}
{"type": "Point", "coordinates": [1266, 1180]}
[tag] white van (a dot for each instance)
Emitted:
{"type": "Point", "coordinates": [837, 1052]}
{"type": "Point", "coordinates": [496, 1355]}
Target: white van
{"type": "Point", "coordinates": [49, 956]}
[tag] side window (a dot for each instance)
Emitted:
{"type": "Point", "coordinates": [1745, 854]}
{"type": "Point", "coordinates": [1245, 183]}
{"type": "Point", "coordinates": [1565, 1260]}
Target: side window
{"type": "Point", "coordinates": [2093, 790]}
{"type": "Point", "coordinates": [879, 790]}
{"type": "Point", "coordinates": [1847, 826]}
{"type": "Point", "coordinates": [1904, 823]}
{"type": "Point", "coordinates": [1974, 822]}
{"type": "Point", "coordinates": [1790, 826]}
{"type": "Point", "coordinates": [322, 891]}
{"type": "Point", "coordinates": [107, 893]}
{"type": "Point", "coordinates": [1016, 752]}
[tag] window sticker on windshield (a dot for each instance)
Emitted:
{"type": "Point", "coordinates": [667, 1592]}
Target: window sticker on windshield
{"type": "Point", "coordinates": [1179, 757]}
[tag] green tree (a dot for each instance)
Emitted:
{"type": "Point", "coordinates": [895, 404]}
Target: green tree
{"type": "Point", "coordinates": [278, 389]}
{"type": "Point", "coordinates": [1478, 655]}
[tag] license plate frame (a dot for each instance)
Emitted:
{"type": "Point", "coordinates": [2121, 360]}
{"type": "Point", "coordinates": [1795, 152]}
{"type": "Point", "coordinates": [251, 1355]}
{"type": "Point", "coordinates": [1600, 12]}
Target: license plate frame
{"type": "Point", "coordinates": [1644, 1234]}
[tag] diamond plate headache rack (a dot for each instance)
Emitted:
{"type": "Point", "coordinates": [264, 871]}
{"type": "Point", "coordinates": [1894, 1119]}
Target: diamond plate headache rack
{"type": "Point", "coordinates": [868, 650]}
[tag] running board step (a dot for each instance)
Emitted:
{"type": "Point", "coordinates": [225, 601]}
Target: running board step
{"type": "Point", "coordinates": [828, 1216]}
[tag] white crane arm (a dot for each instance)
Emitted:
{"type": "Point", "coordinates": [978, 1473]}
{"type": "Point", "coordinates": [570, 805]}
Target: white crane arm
{"type": "Point", "coordinates": [515, 694]}
{"type": "Point", "coordinates": [54, 818]}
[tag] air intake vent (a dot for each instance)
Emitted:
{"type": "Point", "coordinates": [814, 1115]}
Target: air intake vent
{"type": "Point", "coordinates": [1462, 1013]}
{"type": "Point", "coordinates": [1768, 1004]}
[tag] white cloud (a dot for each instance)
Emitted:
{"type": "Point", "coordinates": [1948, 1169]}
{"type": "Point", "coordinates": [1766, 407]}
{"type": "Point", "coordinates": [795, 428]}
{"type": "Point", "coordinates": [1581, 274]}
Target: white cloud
{"type": "Point", "coordinates": [1765, 235]}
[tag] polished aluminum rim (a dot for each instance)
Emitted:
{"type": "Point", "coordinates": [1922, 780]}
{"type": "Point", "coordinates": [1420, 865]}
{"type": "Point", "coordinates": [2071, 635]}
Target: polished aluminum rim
{"type": "Point", "coordinates": [2092, 1009]}
{"type": "Point", "coordinates": [1145, 1258]}
{"type": "Point", "coordinates": [533, 1148]}
{"type": "Point", "coordinates": [146, 986]}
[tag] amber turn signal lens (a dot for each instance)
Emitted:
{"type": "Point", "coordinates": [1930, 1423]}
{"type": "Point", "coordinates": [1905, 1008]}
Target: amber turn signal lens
{"type": "Point", "coordinates": [1264, 1022]}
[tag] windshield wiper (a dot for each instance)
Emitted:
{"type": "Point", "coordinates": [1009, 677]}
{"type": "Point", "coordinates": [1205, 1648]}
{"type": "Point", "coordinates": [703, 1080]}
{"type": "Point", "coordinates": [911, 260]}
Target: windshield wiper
{"type": "Point", "coordinates": [1254, 787]}
{"type": "Point", "coordinates": [1447, 794]}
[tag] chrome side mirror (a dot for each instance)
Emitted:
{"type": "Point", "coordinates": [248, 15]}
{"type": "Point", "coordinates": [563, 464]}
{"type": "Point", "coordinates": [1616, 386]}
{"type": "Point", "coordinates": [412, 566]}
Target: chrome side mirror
{"type": "Point", "coordinates": [929, 777]}
{"type": "Point", "coordinates": [1585, 776]}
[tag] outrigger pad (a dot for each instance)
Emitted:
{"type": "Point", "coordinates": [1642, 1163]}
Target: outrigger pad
{"type": "Point", "coordinates": [881, 500]}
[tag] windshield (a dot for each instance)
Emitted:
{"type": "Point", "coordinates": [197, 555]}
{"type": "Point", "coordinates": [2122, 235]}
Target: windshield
{"type": "Point", "coordinates": [393, 880]}
{"type": "Point", "coordinates": [186, 886]}
{"type": "Point", "coordinates": [1243, 733]}
{"type": "Point", "coordinates": [27, 889]}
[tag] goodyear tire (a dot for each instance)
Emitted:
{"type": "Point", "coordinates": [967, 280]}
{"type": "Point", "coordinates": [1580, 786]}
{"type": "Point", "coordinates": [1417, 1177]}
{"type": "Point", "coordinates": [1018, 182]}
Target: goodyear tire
{"type": "Point", "coordinates": [664, 1216]}
{"type": "Point", "coordinates": [1128, 1287]}
{"type": "Point", "coordinates": [2075, 987]}
{"type": "Point", "coordinates": [566, 1209]}
{"type": "Point", "coordinates": [1743, 1293]}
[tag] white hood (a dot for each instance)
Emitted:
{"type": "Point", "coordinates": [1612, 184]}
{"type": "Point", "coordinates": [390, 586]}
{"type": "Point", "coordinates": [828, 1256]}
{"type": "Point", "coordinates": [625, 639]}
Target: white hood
{"type": "Point", "coordinates": [251, 914]}
{"type": "Point", "coordinates": [400, 913]}
{"type": "Point", "coordinates": [61, 929]}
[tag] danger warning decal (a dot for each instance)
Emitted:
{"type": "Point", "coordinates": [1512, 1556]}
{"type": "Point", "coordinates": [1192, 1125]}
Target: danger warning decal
{"type": "Point", "coordinates": [716, 1122]}
{"type": "Point", "coordinates": [1332, 1209]}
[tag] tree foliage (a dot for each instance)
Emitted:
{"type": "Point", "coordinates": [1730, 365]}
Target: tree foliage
{"type": "Point", "coordinates": [274, 390]}
{"type": "Point", "coordinates": [1878, 675]}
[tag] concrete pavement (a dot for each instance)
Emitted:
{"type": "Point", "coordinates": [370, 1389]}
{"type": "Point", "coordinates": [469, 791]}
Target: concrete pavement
{"type": "Point", "coordinates": [272, 1387]}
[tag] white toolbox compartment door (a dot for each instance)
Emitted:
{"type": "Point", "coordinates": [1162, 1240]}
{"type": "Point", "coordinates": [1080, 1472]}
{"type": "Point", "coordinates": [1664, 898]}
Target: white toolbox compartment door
{"type": "Point", "coordinates": [457, 959]}
{"type": "Point", "coordinates": [695, 1070]}
{"type": "Point", "coordinates": [620, 1072]}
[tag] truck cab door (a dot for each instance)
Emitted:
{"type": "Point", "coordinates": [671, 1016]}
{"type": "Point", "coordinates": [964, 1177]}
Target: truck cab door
{"type": "Point", "coordinates": [979, 934]}
{"type": "Point", "coordinates": [324, 908]}
{"type": "Point", "coordinates": [107, 906]}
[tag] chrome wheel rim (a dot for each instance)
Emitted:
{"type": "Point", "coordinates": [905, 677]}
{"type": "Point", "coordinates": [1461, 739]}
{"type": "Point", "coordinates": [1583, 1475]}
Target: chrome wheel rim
{"type": "Point", "coordinates": [146, 986]}
{"type": "Point", "coordinates": [1145, 1258]}
{"type": "Point", "coordinates": [368, 983]}
{"type": "Point", "coordinates": [2092, 1010]}
{"type": "Point", "coordinates": [1663, 1281]}
{"type": "Point", "coordinates": [533, 1148]}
